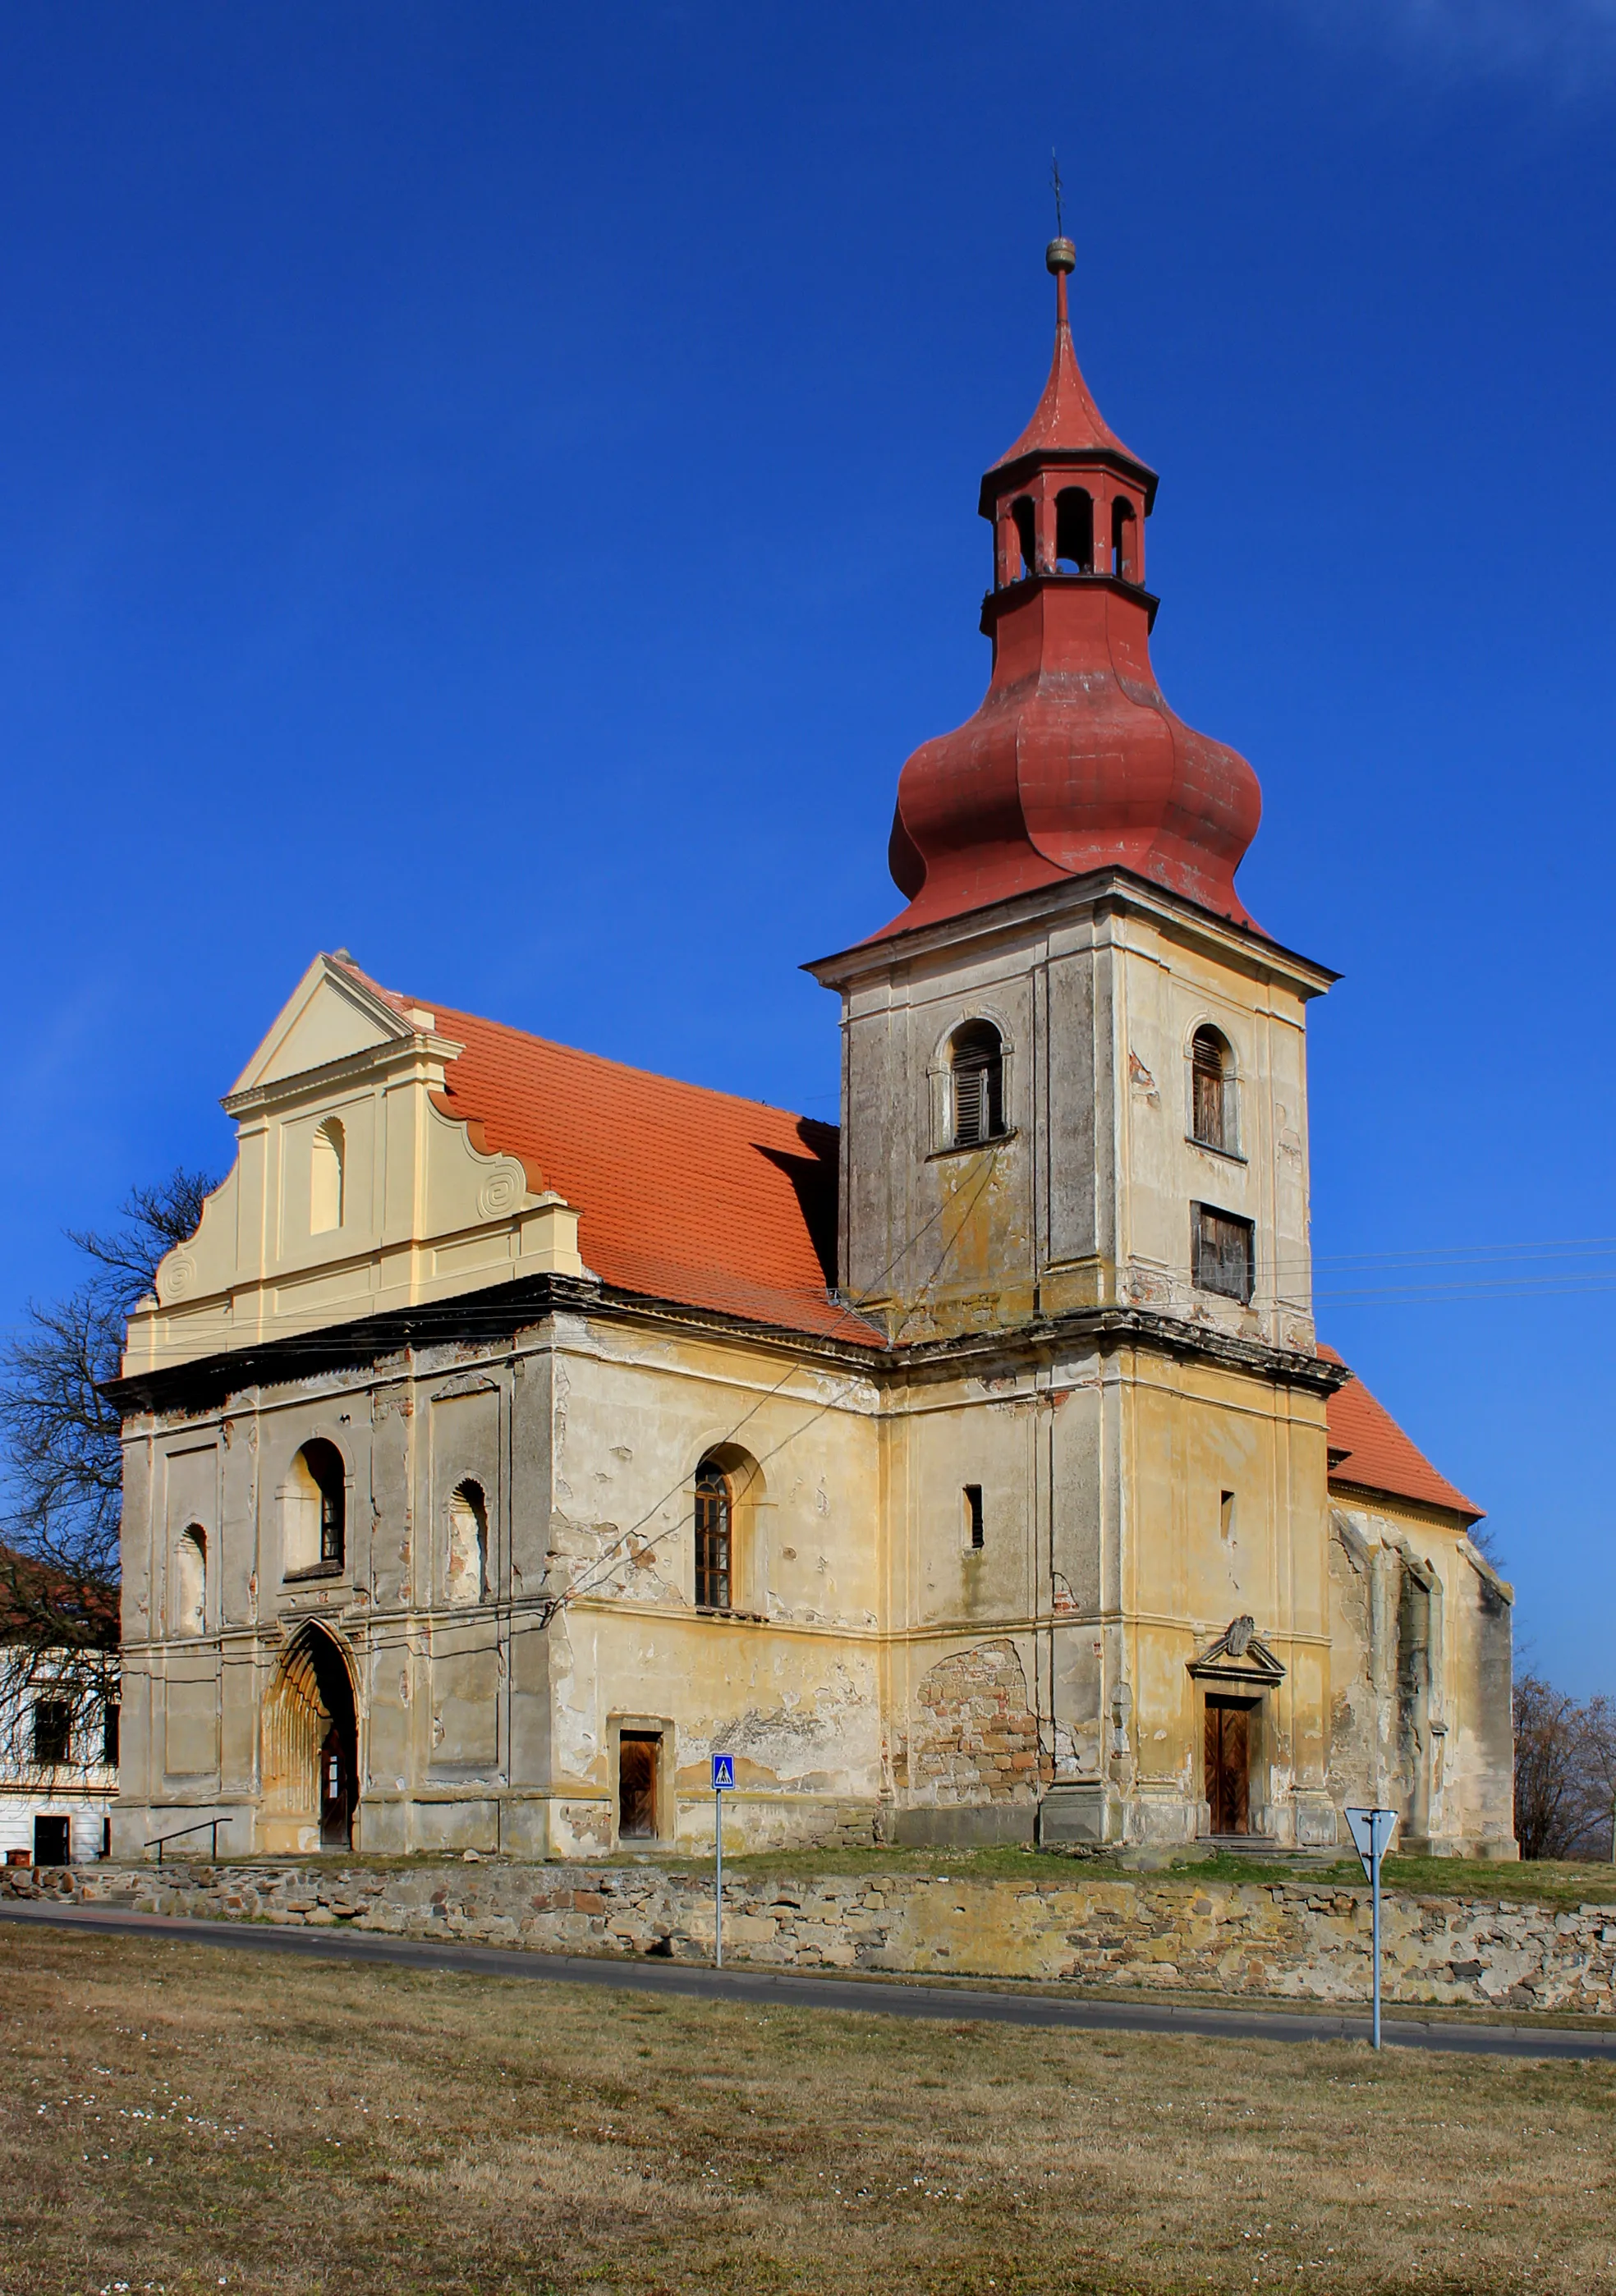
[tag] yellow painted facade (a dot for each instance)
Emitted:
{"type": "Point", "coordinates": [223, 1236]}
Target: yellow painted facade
{"type": "Point", "coordinates": [987, 1579]}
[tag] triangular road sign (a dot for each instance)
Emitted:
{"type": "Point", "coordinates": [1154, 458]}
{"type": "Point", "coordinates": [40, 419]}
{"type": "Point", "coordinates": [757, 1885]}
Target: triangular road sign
{"type": "Point", "coordinates": [1372, 1832]}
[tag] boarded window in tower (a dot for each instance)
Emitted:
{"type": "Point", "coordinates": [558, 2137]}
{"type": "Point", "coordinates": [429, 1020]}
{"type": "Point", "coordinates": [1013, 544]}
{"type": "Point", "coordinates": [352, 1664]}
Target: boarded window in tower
{"type": "Point", "coordinates": [976, 1065]}
{"type": "Point", "coordinates": [1210, 1092]}
{"type": "Point", "coordinates": [1221, 1252]}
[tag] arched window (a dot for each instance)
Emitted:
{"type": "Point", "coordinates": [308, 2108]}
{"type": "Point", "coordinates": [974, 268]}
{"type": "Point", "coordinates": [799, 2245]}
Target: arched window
{"type": "Point", "coordinates": [1074, 531]}
{"type": "Point", "coordinates": [715, 1537]}
{"type": "Point", "coordinates": [1211, 1090]}
{"type": "Point", "coordinates": [976, 1076]}
{"type": "Point", "coordinates": [1020, 510]}
{"type": "Point", "coordinates": [191, 1582]}
{"type": "Point", "coordinates": [467, 1579]}
{"type": "Point", "coordinates": [313, 1507]}
{"type": "Point", "coordinates": [1122, 529]}
{"type": "Point", "coordinates": [326, 1179]}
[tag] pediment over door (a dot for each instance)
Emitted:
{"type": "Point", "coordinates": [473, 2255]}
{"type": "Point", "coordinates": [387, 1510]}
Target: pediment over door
{"type": "Point", "coordinates": [1239, 1658]}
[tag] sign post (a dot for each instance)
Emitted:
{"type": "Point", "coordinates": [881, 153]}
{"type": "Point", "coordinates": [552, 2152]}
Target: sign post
{"type": "Point", "coordinates": [723, 1777]}
{"type": "Point", "coordinates": [1372, 1832]}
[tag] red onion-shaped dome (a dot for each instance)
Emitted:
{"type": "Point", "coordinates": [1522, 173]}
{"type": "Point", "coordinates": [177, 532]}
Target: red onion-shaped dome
{"type": "Point", "coordinates": [1074, 762]}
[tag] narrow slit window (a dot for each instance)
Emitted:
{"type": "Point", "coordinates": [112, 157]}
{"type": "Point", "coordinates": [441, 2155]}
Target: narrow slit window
{"type": "Point", "coordinates": [976, 1528]}
{"type": "Point", "coordinates": [1226, 1515]}
{"type": "Point", "coordinates": [976, 1065]}
{"type": "Point", "coordinates": [713, 1538]}
{"type": "Point", "coordinates": [110, 1714]}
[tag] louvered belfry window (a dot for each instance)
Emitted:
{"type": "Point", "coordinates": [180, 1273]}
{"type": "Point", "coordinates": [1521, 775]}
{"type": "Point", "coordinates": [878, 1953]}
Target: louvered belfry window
{"type": "Point", "coordinates": [976, 1062]}
{"type": "Point", "coordinates": [1209, 1090]}
{"type": "Point", "coordinates": [713, 1538]}
{"type": "Point", "coordinates": [1221, 1252]}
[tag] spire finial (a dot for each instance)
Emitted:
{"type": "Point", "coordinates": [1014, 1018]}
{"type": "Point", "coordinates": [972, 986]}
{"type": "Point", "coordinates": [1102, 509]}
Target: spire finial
{"type": "Point", "coordinates": [1060, 256]}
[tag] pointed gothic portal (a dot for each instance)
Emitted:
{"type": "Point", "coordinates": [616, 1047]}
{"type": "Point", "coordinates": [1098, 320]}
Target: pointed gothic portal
{"type": "Point", "coordinates": [1074, 762]}
{"type": "Point", "coordinates": [311, 1748]}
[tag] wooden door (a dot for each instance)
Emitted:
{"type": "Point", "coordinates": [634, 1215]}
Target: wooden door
{"type": "Point", "coordinates": [636, 1789]}
{"type": "Point", "coordinates": [1228, 1765]}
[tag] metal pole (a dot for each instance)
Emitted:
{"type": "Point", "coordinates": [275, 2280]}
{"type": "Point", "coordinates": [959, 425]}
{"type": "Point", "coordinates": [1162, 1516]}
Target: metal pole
{"type": "Point", "coordinates": [717, 1880]}
{"type": "Point", "coordinates": [1374, 1845]}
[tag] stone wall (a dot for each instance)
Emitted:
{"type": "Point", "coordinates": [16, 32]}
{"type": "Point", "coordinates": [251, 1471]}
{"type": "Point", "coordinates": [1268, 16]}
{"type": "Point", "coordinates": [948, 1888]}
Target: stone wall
{"type": "Point", "coordinates": [1289, 1941]}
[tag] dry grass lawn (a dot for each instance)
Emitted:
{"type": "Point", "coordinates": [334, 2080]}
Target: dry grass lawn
{"type": "Point", "coordinates": [180, 2118]}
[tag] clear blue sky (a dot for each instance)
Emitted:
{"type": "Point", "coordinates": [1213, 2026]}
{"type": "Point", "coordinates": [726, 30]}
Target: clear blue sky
{"type": "Point", "coordinates": [495, 487]}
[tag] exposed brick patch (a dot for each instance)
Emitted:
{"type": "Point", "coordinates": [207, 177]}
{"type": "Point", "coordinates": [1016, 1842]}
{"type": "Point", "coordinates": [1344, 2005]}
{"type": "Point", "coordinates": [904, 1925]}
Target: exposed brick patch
{"type": "Point", "coordinates": [975, 1739]}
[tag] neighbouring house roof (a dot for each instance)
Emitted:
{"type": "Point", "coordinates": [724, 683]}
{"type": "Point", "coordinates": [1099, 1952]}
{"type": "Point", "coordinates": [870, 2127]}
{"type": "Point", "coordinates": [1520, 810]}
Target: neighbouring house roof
{"type": "Point", "coordinates": [32, 1592]}
{"type": "Point", "coordinates": [684, 1193]}
{"type": "Point", "coordinates": [1369, 1450]}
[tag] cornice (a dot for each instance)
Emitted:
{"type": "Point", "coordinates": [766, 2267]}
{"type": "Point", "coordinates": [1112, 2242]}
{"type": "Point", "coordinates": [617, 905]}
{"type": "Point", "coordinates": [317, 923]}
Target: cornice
{"type": "Point", "coordinates": [495, 1314]}
{"type": "Point", "coordinates": [418, 1049]}
{"type": "Point", "coordinates": [1099, 891]}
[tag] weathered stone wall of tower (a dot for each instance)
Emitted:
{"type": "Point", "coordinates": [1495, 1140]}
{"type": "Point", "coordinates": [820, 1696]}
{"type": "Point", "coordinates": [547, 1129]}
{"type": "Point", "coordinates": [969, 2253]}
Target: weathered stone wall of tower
{"type": "Point", "coordinates": [1096, 991]}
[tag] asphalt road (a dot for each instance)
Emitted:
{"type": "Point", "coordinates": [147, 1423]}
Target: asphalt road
{"type": "Point", "coordinates": [880, 1996]}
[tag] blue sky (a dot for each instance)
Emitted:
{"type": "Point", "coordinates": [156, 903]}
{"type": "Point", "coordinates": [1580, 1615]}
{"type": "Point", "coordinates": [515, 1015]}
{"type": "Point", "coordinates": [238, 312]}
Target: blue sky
{"type": "Point", "coordinates": [494, 489]}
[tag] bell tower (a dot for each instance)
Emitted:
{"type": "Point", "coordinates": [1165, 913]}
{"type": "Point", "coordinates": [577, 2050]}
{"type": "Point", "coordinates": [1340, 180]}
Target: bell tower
{"type": "Point", "coordinates": [1074, 1191]}
{"type": "Point", "coordinates": [1021, 1041]}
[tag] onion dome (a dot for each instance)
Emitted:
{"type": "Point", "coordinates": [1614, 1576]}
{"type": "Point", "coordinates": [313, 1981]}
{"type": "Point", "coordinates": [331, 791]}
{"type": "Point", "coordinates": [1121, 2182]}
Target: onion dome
{"type": "Point", "coordinates": [1074, 762]}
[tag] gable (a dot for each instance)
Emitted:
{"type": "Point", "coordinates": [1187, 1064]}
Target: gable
{"type": "Point", "coordinates": [330, 1016]}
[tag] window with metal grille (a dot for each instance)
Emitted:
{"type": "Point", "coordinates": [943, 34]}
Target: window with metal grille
{"type": "Point", "coordinates": [976, 1066]}
{"type": "Point", "coordinates": [1211, 1090]}
{"type": "Point", "coordinates": [713, 1538]}
{"type": "Point", "coordinates": [53, 1730]}
{"type": "Point", "coordinates": [1221, 1252]}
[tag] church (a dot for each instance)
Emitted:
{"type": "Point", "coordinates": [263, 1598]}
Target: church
{"type": "Point", "coordinates": [519, 1429]}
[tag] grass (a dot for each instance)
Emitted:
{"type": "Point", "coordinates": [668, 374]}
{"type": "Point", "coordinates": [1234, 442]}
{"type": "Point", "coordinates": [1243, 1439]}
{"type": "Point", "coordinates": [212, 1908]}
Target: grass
{"type": "Point", "coordinates": [1563, 1885]}
{"type": "Point", "coordinates": [180, 2118]}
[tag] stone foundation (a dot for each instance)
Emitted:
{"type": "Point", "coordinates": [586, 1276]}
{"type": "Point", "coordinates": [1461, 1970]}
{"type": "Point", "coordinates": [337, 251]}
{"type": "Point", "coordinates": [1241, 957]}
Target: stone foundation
{"type": "Point", "coordinates": [1287, 1940]}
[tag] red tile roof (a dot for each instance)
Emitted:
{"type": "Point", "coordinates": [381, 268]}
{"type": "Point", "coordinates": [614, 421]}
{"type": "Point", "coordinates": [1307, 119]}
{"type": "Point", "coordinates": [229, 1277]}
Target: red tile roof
{"type": "Point", "coordinates": [1369, 1449]}
{"type": "Point", "coordinates": [683, 1194]}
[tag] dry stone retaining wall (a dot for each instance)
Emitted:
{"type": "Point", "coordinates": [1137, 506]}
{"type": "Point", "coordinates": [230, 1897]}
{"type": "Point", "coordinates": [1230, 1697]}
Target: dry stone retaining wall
{"type": "Point", "coordinates": [1284, 1939]}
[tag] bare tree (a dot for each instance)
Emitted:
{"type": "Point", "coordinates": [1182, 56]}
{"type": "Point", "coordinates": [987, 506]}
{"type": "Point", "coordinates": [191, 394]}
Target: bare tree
{"type": "Point", "coordinates": [1565, 1772]}
{"type": "Point", "coordinates": [63, 1479]}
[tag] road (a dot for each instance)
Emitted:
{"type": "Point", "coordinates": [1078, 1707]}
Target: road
{"type": "Point", "coordinates": [795, 1989]}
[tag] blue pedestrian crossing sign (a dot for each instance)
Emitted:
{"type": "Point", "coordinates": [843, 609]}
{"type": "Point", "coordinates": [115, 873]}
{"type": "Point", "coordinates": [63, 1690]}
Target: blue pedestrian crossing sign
{"type": "Point", "coordinates": [723, 1772]}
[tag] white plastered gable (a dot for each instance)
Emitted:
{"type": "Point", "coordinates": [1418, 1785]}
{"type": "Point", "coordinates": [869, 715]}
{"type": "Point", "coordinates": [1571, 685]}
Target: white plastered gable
{"type": "Point", "coordinates": [424, 1213]}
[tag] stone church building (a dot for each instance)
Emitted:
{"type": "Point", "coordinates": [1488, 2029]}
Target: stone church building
{"type": "Point", "coordinates": [518, 1429]}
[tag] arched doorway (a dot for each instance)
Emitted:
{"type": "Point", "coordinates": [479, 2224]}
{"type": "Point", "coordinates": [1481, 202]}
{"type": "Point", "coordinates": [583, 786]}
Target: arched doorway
{"type": "Point", "coordinates": [311, 1747]}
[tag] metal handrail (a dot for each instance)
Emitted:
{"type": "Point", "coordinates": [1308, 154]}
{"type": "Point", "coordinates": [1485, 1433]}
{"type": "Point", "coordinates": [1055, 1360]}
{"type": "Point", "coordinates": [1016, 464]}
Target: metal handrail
{"type": "Point", "coordinates": [202, 1826]}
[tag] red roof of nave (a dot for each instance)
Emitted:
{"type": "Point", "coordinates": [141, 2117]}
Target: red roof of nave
{"type": "Point", "coordinates": [683, 1193]}
{"type": "Point", "coordinates": [1373, 1452]}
